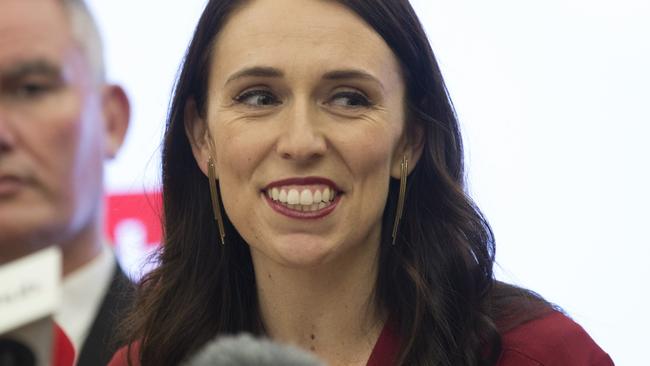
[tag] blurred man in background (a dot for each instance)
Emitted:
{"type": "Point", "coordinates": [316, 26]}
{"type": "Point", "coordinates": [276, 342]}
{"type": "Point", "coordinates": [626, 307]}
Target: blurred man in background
{"type": "Point", "coordinates": [59, 121]}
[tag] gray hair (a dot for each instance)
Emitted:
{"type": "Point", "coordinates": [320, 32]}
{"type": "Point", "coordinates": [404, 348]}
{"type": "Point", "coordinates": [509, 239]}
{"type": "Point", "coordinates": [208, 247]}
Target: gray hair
{"type": "Point", "coordinates": [86, 33]}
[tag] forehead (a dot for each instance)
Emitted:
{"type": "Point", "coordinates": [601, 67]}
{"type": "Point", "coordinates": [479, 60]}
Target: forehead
{"type": "Point", "coordinates": [294, 33]}
{"type": "Point", "coordinates": [32, 29]}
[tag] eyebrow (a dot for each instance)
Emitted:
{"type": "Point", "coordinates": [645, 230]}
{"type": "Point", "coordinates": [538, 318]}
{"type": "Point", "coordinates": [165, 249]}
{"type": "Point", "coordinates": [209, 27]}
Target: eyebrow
{"type": "Point", "coordinates": [272, 72]}
{"type": "Point", "coordinates": [257, 71]}
{"type": "Point", "coordinates": [351, 74]}
{"type": "Point", "coordinates": [35, 67]}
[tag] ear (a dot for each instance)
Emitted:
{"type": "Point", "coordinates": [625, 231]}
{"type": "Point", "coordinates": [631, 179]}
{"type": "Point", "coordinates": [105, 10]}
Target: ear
{"type": "Point", "coordinates": [117, 113]}
{"type": "Point", "coordinates": [411, 145]}
{"type": "Point", "coordinates": [198, 134]}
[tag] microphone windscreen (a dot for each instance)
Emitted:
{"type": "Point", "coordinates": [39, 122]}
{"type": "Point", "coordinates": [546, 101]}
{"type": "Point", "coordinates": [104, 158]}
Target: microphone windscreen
{"type": "Point", "coordinates": [244, 350]}
{"type": "Point", "coordinates": [40, 343]}
{"type": "Point", "coordinates": [15, 353]}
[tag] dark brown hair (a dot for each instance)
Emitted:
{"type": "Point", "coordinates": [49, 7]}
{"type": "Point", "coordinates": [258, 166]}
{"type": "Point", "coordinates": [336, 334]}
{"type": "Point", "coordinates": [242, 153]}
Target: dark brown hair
{"type": "Point", "coordinates": [437, 280]}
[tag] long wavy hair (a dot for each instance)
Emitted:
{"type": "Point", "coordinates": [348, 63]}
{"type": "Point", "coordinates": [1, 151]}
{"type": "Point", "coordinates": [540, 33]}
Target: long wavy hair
{"type": "Point", "coordinates": [437, 280]}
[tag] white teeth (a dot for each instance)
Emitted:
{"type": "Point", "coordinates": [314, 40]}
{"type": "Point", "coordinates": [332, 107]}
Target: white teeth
{"type": "Point", "coordinates": [307, 208]}
{"type": "Point", "coordinates": [306, 198]}
{"type": "Point", "coordinates": [326, 195]}
{"type": "Point", "coordinates": [293, 198]}
{"type": "Point", "coordinates": [302, 200]}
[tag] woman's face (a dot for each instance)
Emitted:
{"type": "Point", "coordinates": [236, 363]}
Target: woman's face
{"type": "Point", "coordinates": [305, 122]}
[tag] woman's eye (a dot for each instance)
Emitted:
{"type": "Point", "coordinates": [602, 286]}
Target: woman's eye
{"type": "Point", "coordinates": [258, 98]}
{"type": "Point", "coordinates": [350, 99]}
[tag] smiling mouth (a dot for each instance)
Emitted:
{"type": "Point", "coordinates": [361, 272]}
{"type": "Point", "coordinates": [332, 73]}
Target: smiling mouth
{"type": "Point", "coordinates": [303, 197]}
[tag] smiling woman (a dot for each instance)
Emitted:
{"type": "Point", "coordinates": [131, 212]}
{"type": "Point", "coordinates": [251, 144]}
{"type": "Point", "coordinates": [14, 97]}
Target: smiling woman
{"type": "Point", "coordinates": [305, 123]}
{"type": "Point", "coordinates": [345, 229]}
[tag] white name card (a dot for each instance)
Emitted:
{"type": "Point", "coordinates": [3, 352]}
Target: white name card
{"type": "Point", "coordinates": [29, 288]}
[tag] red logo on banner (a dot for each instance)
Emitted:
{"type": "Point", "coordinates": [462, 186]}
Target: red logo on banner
{"type": "Point", "coordinates": [133, 224]}
{"type": "Point", "coordinates": [142, 208]}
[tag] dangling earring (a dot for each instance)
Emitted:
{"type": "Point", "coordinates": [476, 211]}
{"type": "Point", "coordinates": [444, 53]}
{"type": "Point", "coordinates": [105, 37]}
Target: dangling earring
{"type": "Point", "coordinates": [404, 168]}
{"type": "Point", "coordinates": [216, 207]}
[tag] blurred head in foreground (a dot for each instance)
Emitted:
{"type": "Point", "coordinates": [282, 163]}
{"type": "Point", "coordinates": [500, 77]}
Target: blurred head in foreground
{"type": "Point", "coordinates": [309, 116]}
{"type": "Point", "coordinates": [59, 121]}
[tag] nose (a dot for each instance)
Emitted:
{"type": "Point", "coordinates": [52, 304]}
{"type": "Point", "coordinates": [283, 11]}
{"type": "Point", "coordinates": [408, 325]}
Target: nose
{"type": "Point", "coordinates": [302, 139]}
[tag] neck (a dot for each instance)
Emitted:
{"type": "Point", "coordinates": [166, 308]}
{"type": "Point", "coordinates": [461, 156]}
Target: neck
{"type": "Point", "coordinates": [329, 310]}
{"type": "Point", "coordinates": [82, 248]}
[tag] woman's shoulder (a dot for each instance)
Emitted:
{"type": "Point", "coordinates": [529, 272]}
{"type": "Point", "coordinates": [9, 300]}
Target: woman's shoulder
{"type": "Point", "coordinates": [551, 339]}
{"type": "Point", "coordinates": [121, 357]}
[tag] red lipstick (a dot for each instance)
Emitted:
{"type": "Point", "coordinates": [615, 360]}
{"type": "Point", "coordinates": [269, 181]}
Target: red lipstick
{"type": "Point", "coordinates": [309, 214]}
{"type": "Point", "coordinates": [302, 215]}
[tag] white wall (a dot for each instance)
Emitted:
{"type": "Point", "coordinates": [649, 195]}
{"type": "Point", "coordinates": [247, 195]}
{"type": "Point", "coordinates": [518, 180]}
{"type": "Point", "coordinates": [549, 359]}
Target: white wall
{"type": "Point", "coordinates": [145, 41]}
{"type": "Point", "coordinates": [554, 100]}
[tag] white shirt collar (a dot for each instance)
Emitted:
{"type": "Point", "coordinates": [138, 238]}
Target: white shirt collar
{"type": "Point", "coordinates": [82, 293]}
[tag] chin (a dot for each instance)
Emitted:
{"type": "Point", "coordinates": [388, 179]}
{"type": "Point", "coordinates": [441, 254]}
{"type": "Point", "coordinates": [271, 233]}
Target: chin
{"type": "Point", "coordinates": [304, 252]}
{"type": "Point", "coordinates": [36, 226]}
{"type": "Point", "coordinates": [303, 261]}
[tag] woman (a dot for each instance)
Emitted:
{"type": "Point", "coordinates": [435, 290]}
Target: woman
{"type": "Point", "coordinates": [320, 137]}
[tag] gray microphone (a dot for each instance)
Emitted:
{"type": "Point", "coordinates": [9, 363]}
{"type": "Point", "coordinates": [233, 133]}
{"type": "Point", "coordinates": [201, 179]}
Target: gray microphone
{"type": "Point", "coordinates": [244, 350]}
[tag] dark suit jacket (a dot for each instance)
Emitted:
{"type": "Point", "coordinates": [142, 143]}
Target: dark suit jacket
{"type": "Point", "coordinates": [100, 345]}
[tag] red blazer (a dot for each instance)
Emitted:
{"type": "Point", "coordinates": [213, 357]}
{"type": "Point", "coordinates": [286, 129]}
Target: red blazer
{"type": "Point", "coordinates": [551, 340]}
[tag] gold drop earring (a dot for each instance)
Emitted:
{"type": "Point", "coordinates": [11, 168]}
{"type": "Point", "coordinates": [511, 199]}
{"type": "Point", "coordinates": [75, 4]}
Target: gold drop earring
{"type": "Point", "coordinates": [404, 168]}
{"type": "Point", "coordinates": [214, 195]}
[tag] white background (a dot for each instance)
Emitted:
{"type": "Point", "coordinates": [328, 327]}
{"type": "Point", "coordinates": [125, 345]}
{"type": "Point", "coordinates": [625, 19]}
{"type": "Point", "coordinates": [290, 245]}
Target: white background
{"type": "Point", "coordinates": [554, 100]}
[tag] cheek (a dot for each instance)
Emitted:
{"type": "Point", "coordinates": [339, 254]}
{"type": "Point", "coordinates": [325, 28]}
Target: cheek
{"type": "Point", "coordinates": [69, 149]}
{"type": "Point", "coordinates": [81, 131]}
{"type": "Point", "coordinates": [368, 155]}
{"type": "Point", "coordinates": [371, 174]}
{"type": "Point", "coordinates": [50, 134]}
{"type": "Point", "coordinates": [71, 137]}
{"type": "Point", "coordinates": [369, 151]}
{"type": "Point", "coordinates": [240, 149]}
{"type": "Point", "coordinates": [239, 152]}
